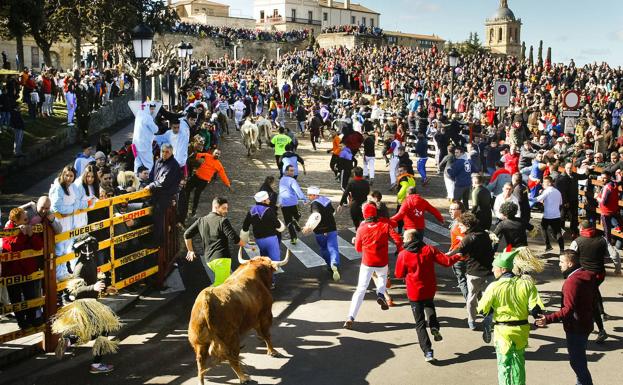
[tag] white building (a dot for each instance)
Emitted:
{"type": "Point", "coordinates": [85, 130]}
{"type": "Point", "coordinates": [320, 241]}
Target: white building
{"type": "Point", "coordinates": [209, 12]}
{"type": "Point", "coordinates": [287, 15]}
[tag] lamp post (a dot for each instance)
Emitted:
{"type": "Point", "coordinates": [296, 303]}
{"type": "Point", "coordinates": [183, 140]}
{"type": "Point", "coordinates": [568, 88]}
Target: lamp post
{"type": "Point", "coordinates": [453, 61]}
{"type": "Point", "coordinates": [189, 53]}
{"type": "Point", "coordinates": [309, 53]}
{"type": "Point", "coordinates": [182, 51]}
{"type": "Point", "coordinates": [142, 39]}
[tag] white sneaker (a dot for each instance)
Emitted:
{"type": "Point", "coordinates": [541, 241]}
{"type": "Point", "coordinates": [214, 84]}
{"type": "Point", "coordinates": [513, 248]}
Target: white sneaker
{"type": "Point", "coordinates": [336, 273]}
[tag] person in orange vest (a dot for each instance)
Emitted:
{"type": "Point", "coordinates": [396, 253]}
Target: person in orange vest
{"type": "Point", "coordinates": [209, 166]}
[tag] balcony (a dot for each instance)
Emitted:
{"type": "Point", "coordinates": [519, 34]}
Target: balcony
{"type": "Point", "coordinates": [300, 20]}
{"type": "Point", "coordinates": [271, 20]}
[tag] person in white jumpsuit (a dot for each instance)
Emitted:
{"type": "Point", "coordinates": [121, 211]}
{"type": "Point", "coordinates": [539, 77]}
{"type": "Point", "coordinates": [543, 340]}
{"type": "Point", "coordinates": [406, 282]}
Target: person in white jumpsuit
{"type": "Point", "coordinates": [143, 137]}
{"type": "Point", "coordinates": [70, 99]}
{"type": "Point", "coordinates": [178, 136]}
{"type": "Point", "coordinates": [238, 108]}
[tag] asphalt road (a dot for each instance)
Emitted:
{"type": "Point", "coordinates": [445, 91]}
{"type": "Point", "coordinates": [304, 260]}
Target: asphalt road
{"type": "Point", "coordinates": [309, 311]}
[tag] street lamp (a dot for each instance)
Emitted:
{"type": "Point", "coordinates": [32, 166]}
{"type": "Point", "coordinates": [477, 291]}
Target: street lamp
{"type": "Point", "coordinates": [182, 51]}
{"type": "Point", "coordinates": [453, 62]}
{"type": "Point", "coordinates": [189, 53]}
{"type": "Point", "coordinates": [142, 38]}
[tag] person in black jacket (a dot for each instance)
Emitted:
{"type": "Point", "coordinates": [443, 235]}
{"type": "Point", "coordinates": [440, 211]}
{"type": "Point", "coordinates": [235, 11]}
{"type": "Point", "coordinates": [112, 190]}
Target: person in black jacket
{"type": "Point", "coordinates": [481, 197]}
{"type": "Point", "coordinates": [266, 227]}
{"type": "Point", "coordinates": [476, 245]}
{"type": "Point", "coordinates": [368, 155]}
{"type": "Point", "coordinates": [165, 176]}
{"type": "Point", "coordinates": [355, 195]}
{"type": "Point", "coordinates": [216, 232]}
{"type": "Point", "coordinates": [567, 184]}
{"type": "Point", "coordinates": [520, 191]}
{"type": "Point", "coordinates": [511, 228]}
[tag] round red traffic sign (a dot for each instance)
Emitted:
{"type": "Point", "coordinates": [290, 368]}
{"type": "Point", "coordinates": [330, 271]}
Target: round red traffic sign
{"type": "Point", "coordinates": [571, 99]}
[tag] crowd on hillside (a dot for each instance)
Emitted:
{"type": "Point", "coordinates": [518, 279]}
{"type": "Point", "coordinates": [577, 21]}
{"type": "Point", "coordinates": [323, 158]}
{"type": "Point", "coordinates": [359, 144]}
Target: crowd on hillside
{"type": "Point", "coordinates": [354, 30]}
{"type": "Point", "coordinates": [232, 35]}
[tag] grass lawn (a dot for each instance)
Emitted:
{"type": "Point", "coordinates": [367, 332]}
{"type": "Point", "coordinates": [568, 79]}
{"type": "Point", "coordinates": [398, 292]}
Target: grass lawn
{"type": "Point", "coordinates": [35, 130]}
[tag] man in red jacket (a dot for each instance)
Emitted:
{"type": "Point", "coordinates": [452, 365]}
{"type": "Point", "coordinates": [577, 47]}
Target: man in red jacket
{"type": "Point", "coordinates": [372, 241]}
{"type": "Point", "coordinates": [416, 263]}
{"type": "Point", "coordinates": [576, 313]}
{"type": "Point", "coordinates": [412, 213]}
{"type": "Point", "coordinates": [609, 205]}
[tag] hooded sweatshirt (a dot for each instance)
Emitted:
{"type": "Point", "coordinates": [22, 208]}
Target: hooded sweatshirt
{"type": "Point", "coordinates": [412, 212]}
{"type": "Point", "coordinates": [416, 263]}
{"type": "Point", "coordinates": [372, 240]}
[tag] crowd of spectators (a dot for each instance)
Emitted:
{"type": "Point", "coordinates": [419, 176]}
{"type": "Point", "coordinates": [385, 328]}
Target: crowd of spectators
{"type": "Point", "coordinates": [234, 34]}
{"type": "Point", "coordinates": [351, 29]}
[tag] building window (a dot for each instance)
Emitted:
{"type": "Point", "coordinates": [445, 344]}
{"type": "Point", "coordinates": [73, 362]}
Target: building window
{"type": "Point", "coordinates": [499, 34]}
{"type": "Point", "coordinates": [310, 16]}
{"type": "Point", "coordinates": [275, 12]}
{"type": "Point", "coordinates": [294, 15]}
{"type": "Point", "coordinates": [491, 35]}
{"type": "Point", "coordinates": [353, 20]}
{"type": "Point", "coordinates": [363, 21]}
{"type": "Point", "coordinates": [325, 16]}
{"type": "Point", "coordinates": [34, 56]}
{"type": "Point", "coordinates": [261, 15]}
{"type": "Point", "coordinates": [372, 23]}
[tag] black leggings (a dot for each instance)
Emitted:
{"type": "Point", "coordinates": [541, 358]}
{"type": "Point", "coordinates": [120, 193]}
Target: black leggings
{"type": "Point", "coordinates": [291, 216]}
{"type": "Point", "coordinates": [554, 224]}
{"type": "Point", "coordinates": [197, 184]}
{"type": "Point", "coordinates": [422, 310]}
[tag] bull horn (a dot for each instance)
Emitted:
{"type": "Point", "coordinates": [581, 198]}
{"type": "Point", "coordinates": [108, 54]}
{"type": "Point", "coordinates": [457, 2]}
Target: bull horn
{"type": "Point", "coordinates": [241, 260]}
{"type": "Point", "coordinates": [284, 262]}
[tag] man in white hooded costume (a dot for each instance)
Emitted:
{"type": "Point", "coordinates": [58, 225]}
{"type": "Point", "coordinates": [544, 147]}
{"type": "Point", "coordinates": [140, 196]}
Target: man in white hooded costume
{"type": "Point", "coordinates": [143, 137]}
{"type": "Point", "coordinates": [178, 136]}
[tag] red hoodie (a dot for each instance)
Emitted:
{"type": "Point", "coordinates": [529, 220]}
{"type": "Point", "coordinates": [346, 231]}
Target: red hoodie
{"type": "Point", "coordinates": [578, 294]}
{"type": "Point", "coordinates": [412, 212]}
{"type": "Point", "coordinates": [372, 240]}
{"type": "Point", "coordinates": [417, 266]}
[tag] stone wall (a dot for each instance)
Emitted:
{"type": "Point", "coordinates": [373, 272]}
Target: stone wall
{"type": "Point", "coordinates": [215, 48]}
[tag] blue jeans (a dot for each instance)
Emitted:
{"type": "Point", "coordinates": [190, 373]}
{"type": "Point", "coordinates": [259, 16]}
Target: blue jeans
{"type": "Point", "coordinates": [576, 346]}
{"type": "Point", "coordinates": [328, 248]}
{"type": "Point", "coordinates": [421, 167]}
{"type": "Point", "coordinates": [269, 247]}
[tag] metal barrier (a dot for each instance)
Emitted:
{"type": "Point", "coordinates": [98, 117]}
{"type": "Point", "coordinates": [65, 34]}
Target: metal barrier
{"type": "Point", "coordinates": [166, 254]}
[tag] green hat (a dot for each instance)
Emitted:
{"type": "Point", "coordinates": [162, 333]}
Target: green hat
{"type": "Point", "coordinates": [505, 259]}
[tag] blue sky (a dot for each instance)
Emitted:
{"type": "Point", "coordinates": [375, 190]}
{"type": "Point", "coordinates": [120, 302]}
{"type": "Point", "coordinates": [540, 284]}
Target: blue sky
{"type": "Point", "coordinates": [584, 31]}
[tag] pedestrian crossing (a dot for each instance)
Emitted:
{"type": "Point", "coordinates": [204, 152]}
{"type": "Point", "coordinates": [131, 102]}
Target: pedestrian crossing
{"type": "Point", "coordinates": [311, 259]}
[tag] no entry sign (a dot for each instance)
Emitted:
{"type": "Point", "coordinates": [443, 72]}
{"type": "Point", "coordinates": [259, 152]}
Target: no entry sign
{"type": "Point", "coordinates": [571, 99]}
{"type": "Point", "coordinates": [501, 93]}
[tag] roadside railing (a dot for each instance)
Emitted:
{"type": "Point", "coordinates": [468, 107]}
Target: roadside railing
{"type": "Point", "coordinates": [124, 266]}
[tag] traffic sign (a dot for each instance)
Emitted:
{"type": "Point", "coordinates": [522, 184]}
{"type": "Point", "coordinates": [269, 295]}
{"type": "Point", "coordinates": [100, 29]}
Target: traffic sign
{"type": "Point", "coordinates": [571, 99]}
{"type": "Point", "coordinates": [570, 124]}
{"type": "Point", "coordinates": [501, 93]}
{"type": "Point", "coordinates": [571, 113]}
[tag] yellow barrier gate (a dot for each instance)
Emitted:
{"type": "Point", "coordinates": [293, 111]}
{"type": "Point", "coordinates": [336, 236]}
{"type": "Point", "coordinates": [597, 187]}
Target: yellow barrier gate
{"type": "Point", "coordinates": [165, 255]}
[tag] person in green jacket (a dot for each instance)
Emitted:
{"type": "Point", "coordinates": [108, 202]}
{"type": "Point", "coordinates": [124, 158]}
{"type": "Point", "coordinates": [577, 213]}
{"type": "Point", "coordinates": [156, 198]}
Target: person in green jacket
{"type": "Point", "coordinates": [509, 301]}
{"type": "Point", "coordinates": [279, 142]}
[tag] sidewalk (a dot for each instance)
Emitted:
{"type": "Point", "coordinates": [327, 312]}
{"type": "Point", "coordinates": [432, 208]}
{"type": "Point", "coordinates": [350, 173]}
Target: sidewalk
{"type": "Point", "coordinates": [132, 306]}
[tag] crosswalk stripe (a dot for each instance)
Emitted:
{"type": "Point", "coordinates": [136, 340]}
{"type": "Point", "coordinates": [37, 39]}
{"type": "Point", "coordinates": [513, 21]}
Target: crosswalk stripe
{"type": "Point", "coordinates": [305, 254]}
{"type": "Point", "coordinates": [438, 229]}
{"type": "Point", "coordinates": [347, 249]}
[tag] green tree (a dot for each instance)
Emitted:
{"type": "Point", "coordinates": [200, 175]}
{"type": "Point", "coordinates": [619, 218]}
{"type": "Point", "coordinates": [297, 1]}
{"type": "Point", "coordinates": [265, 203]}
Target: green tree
{"type": "Point", "coordinates": [13, 24]}
{"type": "Point", "coordinates": [44, 28]}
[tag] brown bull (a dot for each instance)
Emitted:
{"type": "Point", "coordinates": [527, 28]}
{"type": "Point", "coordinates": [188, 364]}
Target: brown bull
{"type": "Point", "coordinates": [222, 315]}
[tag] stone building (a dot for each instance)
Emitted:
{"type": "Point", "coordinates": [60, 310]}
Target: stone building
{"type": "Point", "coordinates": [413, 40]}
{"type": "Point", "coordinates": [209, 12]}
{"type": "Point", "coordinates": [503, 31]}
{"type": "Point", "coordinates": [287, 15]}
{"type": "Point", "coordinates": [61, 54]}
